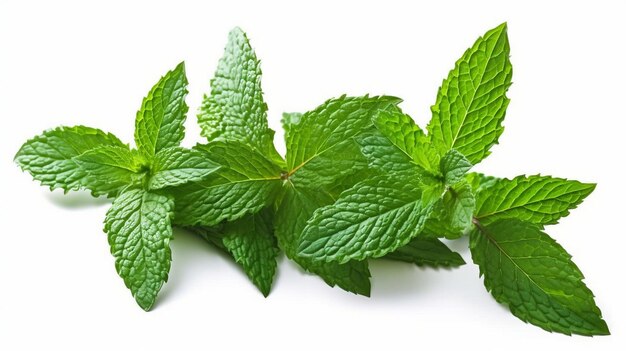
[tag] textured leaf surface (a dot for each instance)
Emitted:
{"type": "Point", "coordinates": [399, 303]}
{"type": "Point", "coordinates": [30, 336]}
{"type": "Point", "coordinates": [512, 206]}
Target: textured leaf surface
{"type": "Point", "coordinates": [247, 182]}
{"type": "Point", "coordinates": [471, 102]}
{"type": "Point", "coordinates": [382, 154]}
{"type": "Point", "coordinates": [528, 271]}
{"type": "Point", "coordinates": [427, 252]}
{"type": "Point", "coordinates": [295, 209]}
{"type": "Point", "coordinates": [139, 231]}
{"type": "Point", "coordinates": [454, 166]}
{"type": "Point", "coordinates": [235, 109]}
{"type": "Point", "coordinates": [373, 218]}
{"type": "Point", "coordinates": [108, 169]}
{"type": "Point", "coordinates": [49, 157]}
{"type": "Point", "coordinates": [159, 122]}
{"type": "Point", "coordinates": [176, 165]}
{"type": "Point", "coordinates": [319, 136]}
{"type": "Point", "coordinates": [537, 199]}
{"type": "Point", "coordinates": [452, 214]}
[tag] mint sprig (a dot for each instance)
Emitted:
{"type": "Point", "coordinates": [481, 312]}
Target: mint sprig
{"type": "Point", "coordinates": [360, 180]}
{"type": "Point", "coordinates": [140, 180]}
{"type": "Point", "coordinates": [426, 193]}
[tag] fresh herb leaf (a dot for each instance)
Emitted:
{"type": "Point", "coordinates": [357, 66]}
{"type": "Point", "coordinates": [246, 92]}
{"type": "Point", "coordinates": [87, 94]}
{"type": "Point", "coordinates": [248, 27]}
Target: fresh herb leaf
{"type": "Point", "coordinates": [296, 207]}
{"type": "Point", "coordinates": [159, 122]}
{"type": "Point", "coordinates": [371, 219]}
{"type": "Point", "coordinates": [176, 165]}
{"type": "Point", "coordinates": [533, 275]}
{"type": "Point", "coordinates": [246, 183]}
{"type": "Point", "coordinates": [109, 168]}
{"type": "Point", "coordinates": [316, 144]}
{"type": "Point", "coordinates": [49, 157]}
{"type": "Point", "coordinates": [471, 102]}
{"type": "Point", "coordinates": [235, 109]}
{"type": "Point", "coordinates": [139, 231]}
{"type": "Point", "coordinates": [537, 199]}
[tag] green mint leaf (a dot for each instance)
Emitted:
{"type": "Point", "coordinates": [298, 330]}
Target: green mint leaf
{"type": "Point", "coordinates": [250, 241]}
{"type": "Point", "coordinates": [373, 218]}
{"type": "Point", "coordinates": [537, 199]}
{"type": "Point", "coordinates": [471, 102]}
{"type": "Point", "coordinates": [49, 157]}
{"type": "Point", "coordinates": [159, 122]}
{"type": "Point", "coordinates": [427, 252]}
{"type": "Point", "coordinates": [321, 137]}
{"type": "Point", "coordinates": [109, 169]}
{"type": "Point", "coordinates": [176, 165]}
{"type": "Point", "coordinates": [235, 109]}
{"type": "Point", "coordinates": [452, 214]}
{"type": "Point", "coordinates": [454, 166]}
{"type": "Point", "coordinates": [139, 232]}
{"type": "Point", "coordinates": [247, 182]}
{"type": "Point", "coordinates": [528, 271]}
{"type": "Point", "coordinates": [294, 210]}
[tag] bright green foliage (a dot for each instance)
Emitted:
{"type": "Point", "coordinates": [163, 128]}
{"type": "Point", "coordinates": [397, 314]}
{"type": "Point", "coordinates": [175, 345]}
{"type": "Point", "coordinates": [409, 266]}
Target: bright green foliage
{"type": "Point", "coordinates": [296, 207]}
{"type": "Point", "coordinates": [138, 225]}
{"type": "Point", "coordinates": [536, 199]}
{"type": "Point", "coordinates": [176, 165]}
{"type": "Point", "coordinates": [471, 102]}
{"type": "Point", "coordinates": [425, 192]}
{"type": "Point", "coordinates": [372, 219]}
{"type": "Point", "coordinates": [322, 159]}
{"type": "Point", "coordinates": [248, 182]}
{"type": "Point", "coordinates": [360, 180]}
{"type": "Point", "coordinates": [50, 157]}
{"type": "Point", "coordinates": [159, 122]}
{"type": "Point", "coordinates": [427, 252]}
{"type": "Point", "coordinates": [528, 271]}
{"type": "Point", "coordinates": [235, 109]}
{"type": "Point", "coordinates": [139, 222]}
{"type": "Point", "coordinates": [320, 147]}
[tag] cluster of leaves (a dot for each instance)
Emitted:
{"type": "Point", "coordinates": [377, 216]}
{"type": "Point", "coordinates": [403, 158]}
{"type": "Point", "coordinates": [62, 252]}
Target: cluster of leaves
{"type": "Point", "coordinates": [359, 181]}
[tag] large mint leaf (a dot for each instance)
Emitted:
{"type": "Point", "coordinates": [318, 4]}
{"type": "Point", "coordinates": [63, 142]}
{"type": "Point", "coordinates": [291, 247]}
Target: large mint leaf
{"type": "Point", "coordinates": [318, 141]}
{"type": "Point", "coordinates": [295, 209]}
{"type": "Point", "coordinates": [427, 252]}
{"type": "Point", "coordinates": [247, 182]}
{"type": "Point", "coordinates": [537, 199]}
{"type": "Point", "coordinates": [49, 157]}
{"type": "Point", "coordinates": [528, 271]}
{"type": "Point", "coordinates": [471, 102]}
{"type": "Point", "coordinates": [139, 231]}
{"type": "Point", "coordinates": [235, 109]}
{"type": "Point", "coordinates": [176, 165]}
{"type": "Point", "coordinates": [159, 122]}
{"type": "Point", "coordinates": [373, 218]}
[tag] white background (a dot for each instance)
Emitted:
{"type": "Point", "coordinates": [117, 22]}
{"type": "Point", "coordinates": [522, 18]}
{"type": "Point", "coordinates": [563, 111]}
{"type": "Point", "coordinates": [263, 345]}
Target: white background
{"type": "Point", "coordinates": [67, 63]}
